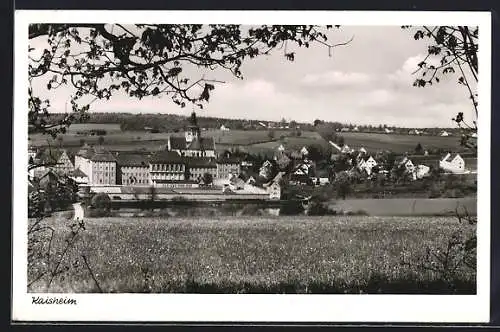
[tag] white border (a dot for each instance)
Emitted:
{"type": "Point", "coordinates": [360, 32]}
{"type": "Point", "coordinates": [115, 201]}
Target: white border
{"type": "Point", "coordinates": [256, 308]}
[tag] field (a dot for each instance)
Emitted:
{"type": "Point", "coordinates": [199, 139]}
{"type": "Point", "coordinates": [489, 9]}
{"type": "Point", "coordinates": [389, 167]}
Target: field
{"type": "Point", "coordinates": [109, 127]}
{"type": "Point", "coordinates": [373, 142]}
{"type": "Point", "coordinates": [408, 206]}
{"type": "Point", "coordinates": [343, 254]}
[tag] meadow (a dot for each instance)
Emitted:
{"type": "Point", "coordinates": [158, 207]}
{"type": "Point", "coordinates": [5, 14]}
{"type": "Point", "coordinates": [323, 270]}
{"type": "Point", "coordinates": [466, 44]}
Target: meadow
{"type": "Point", "coordinates": [373, 142]}
{"type": "Point", "coordinates": [341, 254]}
{"type": "Point", "coordinates": [408, 206]}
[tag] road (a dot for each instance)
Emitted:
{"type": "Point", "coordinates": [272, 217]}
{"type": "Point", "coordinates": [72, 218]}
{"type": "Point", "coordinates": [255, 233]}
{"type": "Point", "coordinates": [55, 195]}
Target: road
{"type": "Point", "coordinates": [77, 207]}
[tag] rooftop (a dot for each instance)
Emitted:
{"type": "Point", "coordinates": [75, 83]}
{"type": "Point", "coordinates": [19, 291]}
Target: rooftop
{"type": "Point", "coordinates": [132, 159]}
{"type": "Point", "coordinates": [167, 157]}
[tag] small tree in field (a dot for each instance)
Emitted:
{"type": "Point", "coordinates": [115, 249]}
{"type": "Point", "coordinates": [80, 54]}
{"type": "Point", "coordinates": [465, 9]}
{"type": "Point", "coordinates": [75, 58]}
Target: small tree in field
{"type": "Point", "coordinates": [419, 149]}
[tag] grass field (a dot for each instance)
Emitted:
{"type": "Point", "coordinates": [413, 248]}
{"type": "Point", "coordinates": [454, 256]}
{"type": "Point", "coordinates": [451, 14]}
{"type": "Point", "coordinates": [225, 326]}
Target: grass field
{"type": "Point", "coordinates": [232, 137]}
{"type": "Point", "coordinates": [408, 206]}
{"type": "Point", "coordinates": [373, 142]}
{"type": "Point", "coordinates": [258, 255]}
{"type": "Point", "coordinates": [109, 127]}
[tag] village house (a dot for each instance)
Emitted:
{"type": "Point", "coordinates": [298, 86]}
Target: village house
{"type": "Point", "coordinates": [455, 165]}
{"type": "Point", "coordinates": [79, 177]}
{"type": "Point", "coordinates": [58, 160]}
{"type": "Point", "coordinates": [444, 133]}
{"type": "Point", "coordinates": [421, 171]}
{"type": "Point", "coordinates": [266, 170]}
{"type": "Point", "coordinates": [274, 191]}
{"type": "Point", "coordinates": [302, 172]}
{"type": "Point", "coordinates": [224, 128]}
{"type": "Point", "coordinates": [133, 169]}
{"type": "Point", "coordinates": [304, 152]}
{"type": "Point", "coordinates": [407, 164]}
{"type": "Point", "coordinates": [366, 164]}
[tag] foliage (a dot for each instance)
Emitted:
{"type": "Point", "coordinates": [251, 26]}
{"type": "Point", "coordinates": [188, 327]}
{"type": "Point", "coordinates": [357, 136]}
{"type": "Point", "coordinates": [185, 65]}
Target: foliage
{"type": "Point", "coordinates": [456, 48]}
{"type": "Point", "coordinates": [451, 259]}
{"type": "Point", "coordinates": [97, 60]}
{"type": "Point", "coordinates": [419, 149]}
{"type": "Point", "coordinates": [207, 179]}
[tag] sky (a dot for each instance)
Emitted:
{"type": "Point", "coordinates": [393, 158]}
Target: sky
{"type": "Point", "coordinates": [368, 81]}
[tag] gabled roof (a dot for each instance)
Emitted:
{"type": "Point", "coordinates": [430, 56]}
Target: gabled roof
{"type": "Point", "coordinates": [78, 173]}
{"type": "Point", "coordinates": [228, 160]}
{"type": "Point", "coordinates": [202, 143]}
{"type": "Point", "coordinates": [102, 155]}
{"type": "Point", "coordinates": [177, 143]}
{"type": "Point", "coordinates": [201, 162]}
{"type": "Point", "coordinates": [129, 159]}
{"type": "Point", "coordinates": [167, 157]}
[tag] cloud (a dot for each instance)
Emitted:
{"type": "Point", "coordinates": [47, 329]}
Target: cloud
{"type": "Point", "coordinates": [336, 78]}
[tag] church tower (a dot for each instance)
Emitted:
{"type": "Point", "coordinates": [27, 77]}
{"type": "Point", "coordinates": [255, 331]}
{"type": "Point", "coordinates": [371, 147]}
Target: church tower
{"type": "Point", "coordinates": [193, 130]}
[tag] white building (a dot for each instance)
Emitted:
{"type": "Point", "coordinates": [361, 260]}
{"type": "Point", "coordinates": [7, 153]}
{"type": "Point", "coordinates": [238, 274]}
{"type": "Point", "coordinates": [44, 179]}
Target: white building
{"type": "Point", "coordinates": [455, 165]}
{"type": "Point", "coordinates": [266, 169]}
{"type": "Point", "coordinates": [408, 165]}
{"type": "Point", "coordinates": [421, 171]}
{"type": "Point", "coordinates": [444, 133]}
{"type": "Point", "coordinates": [224, 128]}
{"type": "Point", "coordinates": [367, 164]}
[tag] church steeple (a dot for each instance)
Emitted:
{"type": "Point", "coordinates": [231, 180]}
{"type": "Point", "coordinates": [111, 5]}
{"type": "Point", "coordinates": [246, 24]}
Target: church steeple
{"type": "Point", "coordinates": [193, 130]}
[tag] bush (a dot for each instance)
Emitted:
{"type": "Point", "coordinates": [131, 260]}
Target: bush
{"type": "Point", "coordinates": [251, 210]}
{"type": "Point", "coordinates": [101, 201]}
{"type": "Point", "coordinates": [100, 206]}
{"type": "Point", "coordinates": [319, 209]}
{"type": "Point", "coordinates": [291, 208]}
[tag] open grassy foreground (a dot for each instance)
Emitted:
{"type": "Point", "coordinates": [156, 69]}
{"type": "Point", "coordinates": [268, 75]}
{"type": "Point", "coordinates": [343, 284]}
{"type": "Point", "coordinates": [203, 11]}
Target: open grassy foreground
{"type": "Point", "coordinates": [341, 254]}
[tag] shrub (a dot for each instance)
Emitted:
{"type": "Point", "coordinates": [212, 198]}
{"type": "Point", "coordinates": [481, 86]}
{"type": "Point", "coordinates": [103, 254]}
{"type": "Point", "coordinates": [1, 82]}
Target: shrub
{"type": "Point", "coordinates": [251, 210]}
{"type": "Point", "coordinates": [291, 208]}
{"type": "Point", "coordinates": [100, 206]}
{"type": "Point", "coordinates": [319, 209]}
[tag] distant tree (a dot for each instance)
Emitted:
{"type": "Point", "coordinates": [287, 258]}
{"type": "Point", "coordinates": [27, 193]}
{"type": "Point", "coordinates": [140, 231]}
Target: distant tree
{"type": "Point", "coordinates": [298, 133]}
{"type": "Point", "coordinates": [293, 124]}
{"type": "Point", "coordinates": [100, 140]}
{"type": "Point", "coordinates": [340, 140]}
{"type": "Point", "coordinates": [419, 149]}
{"type": "Point", "coordinates": [317, 122]}
{"type": "Point", "coordinates": [315, 152]}
{"type": "Point", "coordinates": [207, 179]}
{"type": "Point", "coordinates": [390, 159]}
{"type": "Point", "coordinates": [343, 186]}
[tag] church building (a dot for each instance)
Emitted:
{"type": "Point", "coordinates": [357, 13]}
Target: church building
{"type": "Point", "coordinates": [192, 144]}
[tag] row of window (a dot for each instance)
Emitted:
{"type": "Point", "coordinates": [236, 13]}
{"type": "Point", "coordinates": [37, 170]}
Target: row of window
{"type": "Point", "coordinates": [167, 176]}
{"type": "Point", "coordinates": [168, 167]}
